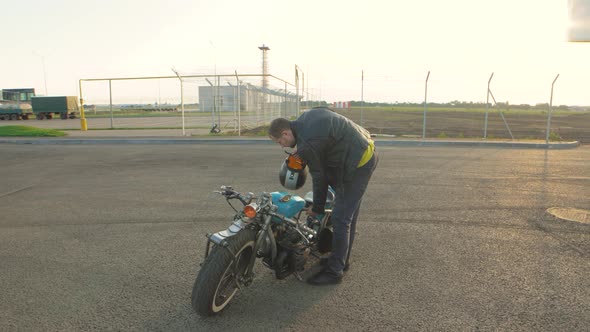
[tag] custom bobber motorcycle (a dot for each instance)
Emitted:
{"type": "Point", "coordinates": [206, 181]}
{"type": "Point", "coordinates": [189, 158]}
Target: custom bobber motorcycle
{"type": "Point", "coordinates": [269, 227]}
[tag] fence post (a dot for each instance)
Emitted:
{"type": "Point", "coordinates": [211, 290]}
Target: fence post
{"type": "Point", "coordinates": [550, 111]}
{"type": "Point", "coordinates": [239, 104]}
{"type": "Point", "coordinates": [362, 95]}
{"type": "Point", "coordinates": [219, 101]}
{"type": "Point", "coordinates": [111, 102]}
{"type": "Point", "coordinates": [425, 98]}
{"type": "Point", "coordinates": [501, 114]}
{"type": "Point", "coordinates": [212, 102]}
{"type": "Point", "coordinates": [286, 101]}
{"type": "Point", "coordinates": [485, 126]}
{"type": "Point", "coordinates": [181, 99]}
{"type": "Point", "coordinates": [297, 88]}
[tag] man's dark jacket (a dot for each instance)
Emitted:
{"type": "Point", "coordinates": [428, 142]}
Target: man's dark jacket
{"type": "Point", "coordinates": [332, 146]}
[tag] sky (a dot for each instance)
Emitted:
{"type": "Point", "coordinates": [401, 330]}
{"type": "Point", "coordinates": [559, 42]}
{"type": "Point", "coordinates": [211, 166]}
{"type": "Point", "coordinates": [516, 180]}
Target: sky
{"type": "Point", "coordinates": [374, 50]}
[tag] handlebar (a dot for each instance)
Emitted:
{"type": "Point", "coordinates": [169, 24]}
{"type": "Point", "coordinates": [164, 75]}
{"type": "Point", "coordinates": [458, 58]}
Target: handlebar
{"type": "Point", "coordinates": [230, 193]}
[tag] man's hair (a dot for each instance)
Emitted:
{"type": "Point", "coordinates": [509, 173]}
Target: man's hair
{"type": "Point", "coordinates": [277, 126]}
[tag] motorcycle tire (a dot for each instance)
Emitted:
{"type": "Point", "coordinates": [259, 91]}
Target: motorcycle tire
{"type": "Point", "coordinates": [216, 282]}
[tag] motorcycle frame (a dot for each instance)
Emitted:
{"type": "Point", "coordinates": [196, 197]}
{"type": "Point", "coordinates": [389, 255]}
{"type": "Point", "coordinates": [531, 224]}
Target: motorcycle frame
{"type": "Point", "coordinates": [266, 231]}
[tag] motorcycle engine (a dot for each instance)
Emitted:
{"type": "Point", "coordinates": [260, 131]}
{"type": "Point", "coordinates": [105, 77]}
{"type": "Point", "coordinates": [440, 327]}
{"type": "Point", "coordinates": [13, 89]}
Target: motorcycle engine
{"type": "Point", "coordinates": [292, 254]}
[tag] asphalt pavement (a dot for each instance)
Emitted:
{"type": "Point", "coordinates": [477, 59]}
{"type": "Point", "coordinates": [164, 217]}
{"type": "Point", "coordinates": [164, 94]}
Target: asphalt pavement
{"type": "Point", "coordinates": [450, 238]}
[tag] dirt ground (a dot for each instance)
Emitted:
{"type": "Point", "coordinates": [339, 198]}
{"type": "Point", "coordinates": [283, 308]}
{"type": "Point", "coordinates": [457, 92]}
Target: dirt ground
{"type": "Point", "coordinates": [471, 124]}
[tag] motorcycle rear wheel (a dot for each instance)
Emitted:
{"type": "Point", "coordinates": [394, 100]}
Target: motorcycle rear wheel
{"type": "Point", "coordinates": [217, 282]}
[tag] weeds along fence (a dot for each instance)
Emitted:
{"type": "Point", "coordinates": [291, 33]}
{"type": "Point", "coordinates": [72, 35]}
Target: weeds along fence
{"type": "Point", "coordinates": [233, 102]}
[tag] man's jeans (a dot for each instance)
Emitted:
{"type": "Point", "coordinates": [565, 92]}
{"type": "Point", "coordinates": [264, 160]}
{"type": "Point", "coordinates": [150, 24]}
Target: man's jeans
{"type": "Point", "coordinates": [345, 213]}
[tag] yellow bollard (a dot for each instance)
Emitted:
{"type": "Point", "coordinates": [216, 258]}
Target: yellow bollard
{"type": "Point", "coordinates": [83, 124]}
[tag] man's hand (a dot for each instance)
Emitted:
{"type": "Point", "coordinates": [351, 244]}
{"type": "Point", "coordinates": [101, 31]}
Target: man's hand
{"type": "Point", "coordinates": [310, 212]}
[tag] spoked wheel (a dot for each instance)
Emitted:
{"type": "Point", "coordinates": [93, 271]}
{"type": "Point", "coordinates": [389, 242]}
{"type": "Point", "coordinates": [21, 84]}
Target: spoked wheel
{"type": "Point", "coordinates": [222, 274]}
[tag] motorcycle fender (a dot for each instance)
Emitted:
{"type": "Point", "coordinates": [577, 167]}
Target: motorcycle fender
{"type": "Point", "coordinates": [220, 237]}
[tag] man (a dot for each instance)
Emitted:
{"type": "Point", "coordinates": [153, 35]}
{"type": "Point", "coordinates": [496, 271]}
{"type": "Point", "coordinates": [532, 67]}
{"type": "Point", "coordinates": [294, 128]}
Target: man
{"type": "Point", "coordinates": [341, 154]}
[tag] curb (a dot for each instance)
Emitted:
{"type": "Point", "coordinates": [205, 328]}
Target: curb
{"type": "Point", "coordinates": [514, 145]}
{"type": "Point", "coordinates": [223, 141]}
{"type": "Point", "coordinates": [96, 141]}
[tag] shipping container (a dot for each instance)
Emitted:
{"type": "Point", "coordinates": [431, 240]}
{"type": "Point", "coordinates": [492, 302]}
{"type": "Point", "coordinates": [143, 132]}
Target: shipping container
{"type": "Point", "coordinates": [47, 107]}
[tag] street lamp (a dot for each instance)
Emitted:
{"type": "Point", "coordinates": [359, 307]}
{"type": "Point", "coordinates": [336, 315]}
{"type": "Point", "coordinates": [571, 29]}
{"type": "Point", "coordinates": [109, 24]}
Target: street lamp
{"type": "Point", "coordinates": [44, 72]}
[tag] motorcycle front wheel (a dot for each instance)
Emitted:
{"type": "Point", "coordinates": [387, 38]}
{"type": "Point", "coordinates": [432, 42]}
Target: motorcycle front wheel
{"type": "Point", "coordinates": [217, 282]}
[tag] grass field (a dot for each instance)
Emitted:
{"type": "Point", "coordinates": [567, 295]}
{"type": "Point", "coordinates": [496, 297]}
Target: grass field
{"type": "Point", "coordinates": [459, 123]}
{"type": "Point", "coordinates": [441, 122]}
{"type": "Point", "coordinates": [26, 131]}
{"type": "Point", "coordinates": [470, 123]}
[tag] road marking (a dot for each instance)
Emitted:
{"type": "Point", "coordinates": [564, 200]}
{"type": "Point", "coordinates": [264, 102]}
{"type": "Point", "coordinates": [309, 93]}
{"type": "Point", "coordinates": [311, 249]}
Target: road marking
{"type": "Point", "coordinates": [15, 191]}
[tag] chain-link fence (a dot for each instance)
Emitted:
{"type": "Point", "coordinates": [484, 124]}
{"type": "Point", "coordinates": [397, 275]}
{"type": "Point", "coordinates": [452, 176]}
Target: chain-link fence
{"type": "Point", "coordinates": [383, 111]}
{"type": "Point", "coordinates": [217, 103]}
{"type": "Point", "coordinates": [458, 122]}
{"type": "Point", "coordinates": [238, 103]}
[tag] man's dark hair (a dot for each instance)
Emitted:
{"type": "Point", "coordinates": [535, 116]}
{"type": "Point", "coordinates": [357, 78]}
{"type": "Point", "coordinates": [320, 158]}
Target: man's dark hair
{"type": "Point", "coordinates": [277, 126]}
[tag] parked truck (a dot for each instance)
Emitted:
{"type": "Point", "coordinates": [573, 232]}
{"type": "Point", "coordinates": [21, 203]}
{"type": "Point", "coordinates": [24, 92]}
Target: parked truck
{"type": "Point", "coordinates": [15, 111]}
{"type": "Point", "coordinates": [15, 104]}
{"type": "Point", "coordinates": [66, 107]}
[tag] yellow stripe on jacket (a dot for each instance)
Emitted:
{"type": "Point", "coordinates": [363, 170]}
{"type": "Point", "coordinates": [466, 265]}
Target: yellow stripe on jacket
{"type": "Point", "coordinates": [367, 154]}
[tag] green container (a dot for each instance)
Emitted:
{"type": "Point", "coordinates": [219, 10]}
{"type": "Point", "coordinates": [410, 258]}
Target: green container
{"type": "Point", "coordinates": [46, 107]}
{"type": "Point", "coordinates": [58, 104]}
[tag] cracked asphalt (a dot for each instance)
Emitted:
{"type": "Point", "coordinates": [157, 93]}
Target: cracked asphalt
{"type": "Point", "coordinates": [110, 237]}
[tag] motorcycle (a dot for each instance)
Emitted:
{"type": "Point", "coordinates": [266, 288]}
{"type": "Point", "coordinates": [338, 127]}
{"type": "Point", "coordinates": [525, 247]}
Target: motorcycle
{"type": "Point", "coordinates": [268, 227]}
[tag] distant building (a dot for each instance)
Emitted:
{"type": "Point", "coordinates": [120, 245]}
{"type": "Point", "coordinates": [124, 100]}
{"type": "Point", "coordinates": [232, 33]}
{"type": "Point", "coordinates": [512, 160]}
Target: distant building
{"type": "Point", "coordinates": [251, 98]}
{"type": "Point", "coordinates": [17, 95]}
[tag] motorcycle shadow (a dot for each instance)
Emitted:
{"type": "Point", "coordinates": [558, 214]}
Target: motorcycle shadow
{"type": "Point", "coordinates": [282, 299]}
{"type": "Point", "coordinates": [268, 304]}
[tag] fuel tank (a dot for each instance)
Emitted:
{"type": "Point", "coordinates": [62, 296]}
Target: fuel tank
{"type": "Point", "coordinates": [288, 204]}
